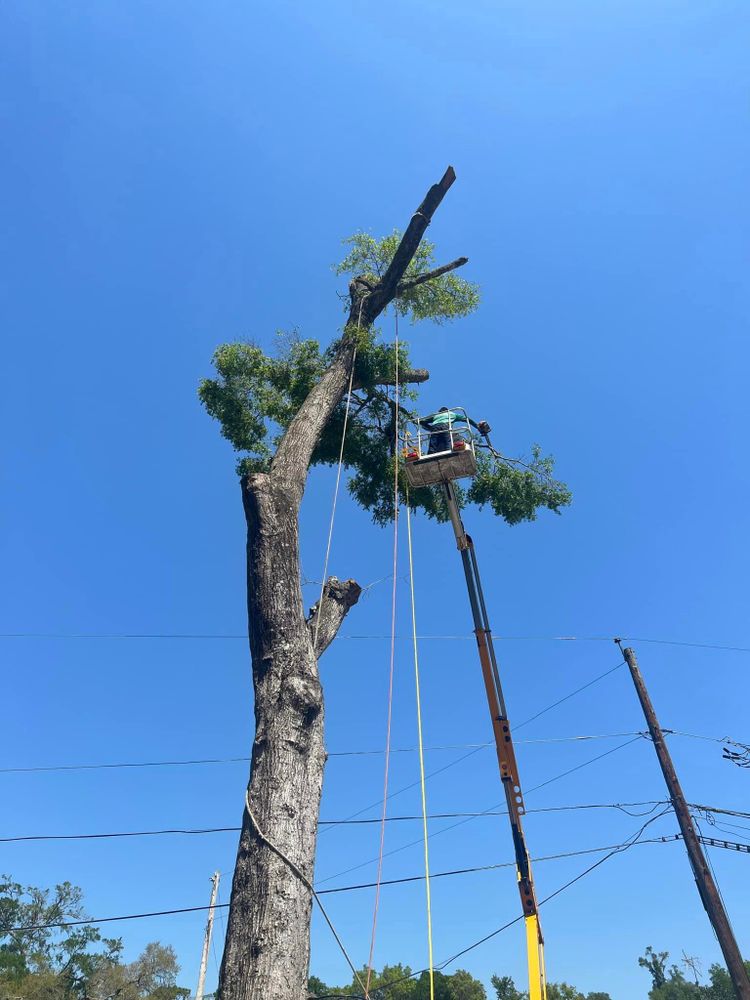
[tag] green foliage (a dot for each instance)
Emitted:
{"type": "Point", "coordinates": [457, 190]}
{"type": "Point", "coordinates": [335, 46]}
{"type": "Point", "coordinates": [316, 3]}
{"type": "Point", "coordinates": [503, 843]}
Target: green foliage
{"type": "Point", "coordinates": [656, 964]}
{"type": "Point", "coordinates": [72, 963]}
{"type": "Point", "coordinates": [505, 989]}
{"type": "Point", "coordinates": [255, 397]}
{"type": "Point", "coordinates": [441, 299]}
{"type": "Point", "coordinates": [400, 986]}
{"type": "Point", "coordinates": [671, 984]}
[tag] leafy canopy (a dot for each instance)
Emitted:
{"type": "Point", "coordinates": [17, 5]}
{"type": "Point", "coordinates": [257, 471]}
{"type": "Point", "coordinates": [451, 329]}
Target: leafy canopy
{"type": "Point", "coordinates": [441, 299]}
{"type": "Point", "coordinates": [254, 396]}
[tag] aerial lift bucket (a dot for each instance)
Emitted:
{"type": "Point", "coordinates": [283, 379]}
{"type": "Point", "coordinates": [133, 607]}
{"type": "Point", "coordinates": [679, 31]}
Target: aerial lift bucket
{"type": "Point", "coordinates": [432, 457]}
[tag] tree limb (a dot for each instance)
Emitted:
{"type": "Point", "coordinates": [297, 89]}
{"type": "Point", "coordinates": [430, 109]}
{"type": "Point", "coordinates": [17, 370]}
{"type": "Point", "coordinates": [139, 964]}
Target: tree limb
{"type": "Point", "coordinates": [338, 597]}
{"type": "Point", "coordinates": [370, 305]}
{"type": "Point", "coordinates": [292, 459]}
{"type": "Point", "coordinates": [405, 286]}
{"type": "Point", "coordinates": [415, 376]}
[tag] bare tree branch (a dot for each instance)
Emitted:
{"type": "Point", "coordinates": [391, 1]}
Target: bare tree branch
{"type": "Point", "coordinates": [338, 597]}
{"type": "Point", "coordinates": [372, 302]}
{"type": "Point", "coordinates": [415, 376]}
{"type": "Point", "coordinates": [295, 449]}
{"type": "Point", "coordinates": [404, 286]}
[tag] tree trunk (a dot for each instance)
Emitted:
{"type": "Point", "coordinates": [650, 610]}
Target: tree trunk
{"type": "Point", "coordinates": [267, 948]}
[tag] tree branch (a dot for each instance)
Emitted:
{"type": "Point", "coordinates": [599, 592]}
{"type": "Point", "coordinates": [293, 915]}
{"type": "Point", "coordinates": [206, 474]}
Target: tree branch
{"type": "Point", "coordinates": [415, 376]}
{"type": "Point", "coordinates": [338, 597]}
{"type": "Point", "coordinates": [371, 304]}
{"type": "Point", "coordinates": [405, 286]}
{"type": "Point", "coordinates": [292, 459]}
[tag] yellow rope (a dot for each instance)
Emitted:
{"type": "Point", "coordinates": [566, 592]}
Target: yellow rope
{"type": "Point", "coordinates": [421, 750]}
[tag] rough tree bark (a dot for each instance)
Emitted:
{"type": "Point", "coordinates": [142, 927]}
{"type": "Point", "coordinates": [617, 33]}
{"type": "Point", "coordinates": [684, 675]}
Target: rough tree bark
{"type": "Point", "coordinates": [267, 948]}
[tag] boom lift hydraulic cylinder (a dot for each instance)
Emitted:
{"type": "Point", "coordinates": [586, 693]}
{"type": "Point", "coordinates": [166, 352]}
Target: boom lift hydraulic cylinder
{"type": "Point", "coordinates": [506, 757]}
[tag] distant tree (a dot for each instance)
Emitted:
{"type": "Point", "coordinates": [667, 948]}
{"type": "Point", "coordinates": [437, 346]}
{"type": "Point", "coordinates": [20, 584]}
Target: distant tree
{"type": "Point", "coordinates": [505, 989]}
{"type": "Point", "coordinates": [655, 962]}
{"type": "Point", "coordinates": [284, 414]}
{"type": "Point", "coordinates": [61, 963]}
{"type": "Point", "coordinates": [563, 991]}
{"type": "Point", "coordinates": [464, 986]}
{"type": "Point", "coordinates": [720, 987]}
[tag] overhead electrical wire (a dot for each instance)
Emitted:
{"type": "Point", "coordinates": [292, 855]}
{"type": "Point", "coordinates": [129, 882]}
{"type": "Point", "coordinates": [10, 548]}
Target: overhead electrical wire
{"type": "Point", "coordinates": [323, 892]}
{"type": "Point", "coordinates": [461, 822]}
{"type": "Point", "coordinates": [621, 806]}
{"type": "Point", "coordinates": [354, 753]}
{"type": "Point", "coordinates": [480, 746]}
{"type": "Point", "coordinates": [626, 845]}
{"type": "Point", "coordinates": [204, 636]}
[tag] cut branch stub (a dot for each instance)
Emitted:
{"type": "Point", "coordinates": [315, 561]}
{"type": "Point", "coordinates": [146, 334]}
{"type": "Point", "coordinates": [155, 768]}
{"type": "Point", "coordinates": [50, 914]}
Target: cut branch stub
{"type": "Point", "coordinates": [338, 597]}
{"type": "Point", "coordinates": [404, 286]}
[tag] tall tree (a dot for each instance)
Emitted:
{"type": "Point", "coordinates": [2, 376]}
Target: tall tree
{"type": "Point", "coordinates": [285, 414]}
{"type": "Point", "coordinates": [48, 962]}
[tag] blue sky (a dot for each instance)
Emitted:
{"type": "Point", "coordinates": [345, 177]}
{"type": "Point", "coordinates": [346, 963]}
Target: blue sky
{"type": "Point", "coordinates": [180, 174]}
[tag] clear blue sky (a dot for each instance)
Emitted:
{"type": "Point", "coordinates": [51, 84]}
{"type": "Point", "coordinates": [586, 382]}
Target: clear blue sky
{"type": "Point", "coordinates": [175, 175]}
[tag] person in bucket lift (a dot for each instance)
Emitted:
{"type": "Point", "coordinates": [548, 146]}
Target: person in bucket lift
{"type": "Point", "coordinates": [438, 426]}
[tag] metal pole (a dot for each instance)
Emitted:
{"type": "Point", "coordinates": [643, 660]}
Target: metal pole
{"type": "Point", "coordinates": [703, 878]}
{"type": "Point", "coordinates": [207, 936]}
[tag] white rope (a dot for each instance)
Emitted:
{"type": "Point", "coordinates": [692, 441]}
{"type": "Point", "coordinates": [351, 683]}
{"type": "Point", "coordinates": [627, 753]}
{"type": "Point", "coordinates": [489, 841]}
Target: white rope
{"type": "Point", "coordinates": [318, 614]}
{"type": "Point", "coordinates": [307, 884]}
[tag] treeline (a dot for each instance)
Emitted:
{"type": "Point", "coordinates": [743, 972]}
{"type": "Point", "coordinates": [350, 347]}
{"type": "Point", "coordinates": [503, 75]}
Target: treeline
{"type": "Point", "coordinates": [40, 962]}
{"type": "Point", "coordinates": [395, 983]}
{"type": "Point", "coordinates": [73, 963]}
{"type": "Point", "coordinates": [668, 982]}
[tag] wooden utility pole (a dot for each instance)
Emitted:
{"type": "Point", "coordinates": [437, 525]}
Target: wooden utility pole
{"type": "Point", "coordinates": [207, 937]}
{"type": "Point", "coordinates": [703, 878]}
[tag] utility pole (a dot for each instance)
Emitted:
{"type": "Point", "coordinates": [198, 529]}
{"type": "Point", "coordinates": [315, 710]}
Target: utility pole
{"type": "Point", "coordinates": [207, 937]}
{"type": "Point", "coordinates": [703, 878]}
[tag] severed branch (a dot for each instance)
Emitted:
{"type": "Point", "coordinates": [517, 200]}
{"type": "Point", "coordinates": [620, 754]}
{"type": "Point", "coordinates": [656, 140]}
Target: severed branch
{"type": "Point", "coordinates": [414, 376]}
{"type": "Point", "coordinates": [338, 597]}
{"type": "Point", "coordinates": [405, 286]}
{"type": "Point", "coordinates": [367, 303]}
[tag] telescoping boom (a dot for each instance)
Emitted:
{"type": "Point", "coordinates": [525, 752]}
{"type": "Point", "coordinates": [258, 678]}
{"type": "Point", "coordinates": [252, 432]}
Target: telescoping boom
{"type": "Point", "coordinates": [454, 458]}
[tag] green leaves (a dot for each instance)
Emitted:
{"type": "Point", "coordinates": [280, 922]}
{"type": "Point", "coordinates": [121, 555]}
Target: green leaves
{"type": "Point", "coordinates": [255, 397]}
{"type": "Point", "coordinates": [441, 299]}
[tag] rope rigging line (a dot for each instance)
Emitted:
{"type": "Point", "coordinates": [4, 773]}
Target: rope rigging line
{"type": "Point", "coordinates": [389, 720]}
{"type": "Point", "coordinates": [319, 613]}
{"type": "Point", "coordinates": [422, 778]}
{"type": "Point", "coordinates": [479, 747]}
{"type": "Point", "coordinates": [307, 884]}
{"type": "Point", "coordinates": [469, 819]}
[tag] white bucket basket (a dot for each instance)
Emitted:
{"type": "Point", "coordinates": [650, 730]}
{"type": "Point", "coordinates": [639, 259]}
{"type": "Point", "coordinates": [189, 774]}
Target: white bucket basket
{"type": "Point", "coordinates": [456, 459]}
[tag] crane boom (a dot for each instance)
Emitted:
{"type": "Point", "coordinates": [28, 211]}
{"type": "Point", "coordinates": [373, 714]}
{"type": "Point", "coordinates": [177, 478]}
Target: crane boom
{"type": "Point", "coordinates": [506, 757]}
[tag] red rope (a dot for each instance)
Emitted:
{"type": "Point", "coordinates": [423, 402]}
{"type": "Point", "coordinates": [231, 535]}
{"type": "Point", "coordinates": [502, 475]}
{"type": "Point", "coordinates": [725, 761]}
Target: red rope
{"type": "Point", "coordinates": [390, 677]}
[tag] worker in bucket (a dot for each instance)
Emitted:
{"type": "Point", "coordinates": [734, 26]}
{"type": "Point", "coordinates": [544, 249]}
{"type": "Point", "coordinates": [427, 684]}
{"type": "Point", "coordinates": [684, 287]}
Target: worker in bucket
{"type": "Point", "coordinates": [439, 425]}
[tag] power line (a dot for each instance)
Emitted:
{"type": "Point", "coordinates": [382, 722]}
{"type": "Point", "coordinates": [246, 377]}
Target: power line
{"type": "Point", "coordinates": [619, 849]}
{"type": "Point", "coordinates": [582, 738]}
{"type": "Point", "coordinates": [234, 636]}
{"type": "Point", "coordinates": [471, 753]}
{"type": "Point", "coordinates": [169, 831]}
{"type": "Point", "coordinates": [461, 822]}
{"type": "Point", "coordinates": [400, 881]}
{"type": "Point", "coordinates": [338, 889]}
